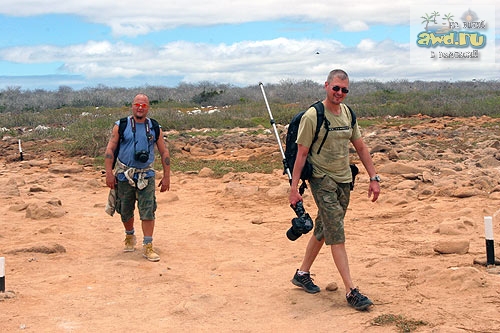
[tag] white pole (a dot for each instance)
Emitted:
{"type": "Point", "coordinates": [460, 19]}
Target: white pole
{"type": "Point", "coordinates": [490, 245]}
{"type": "Point", "coordinates": [20, 150]}
{"type": "Point", "coordinates": [2, 274]}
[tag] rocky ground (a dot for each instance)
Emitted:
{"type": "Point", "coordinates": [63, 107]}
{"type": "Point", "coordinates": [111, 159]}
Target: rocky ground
{"type": "Point", "coordinates": [226, 264]}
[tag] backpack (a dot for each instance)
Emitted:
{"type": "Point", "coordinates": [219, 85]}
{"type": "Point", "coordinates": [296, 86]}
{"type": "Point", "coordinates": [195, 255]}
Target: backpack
{"type": "Point", "coordinates": [291, 146]}
{"type": "Point", "coordinates": [121, 129]}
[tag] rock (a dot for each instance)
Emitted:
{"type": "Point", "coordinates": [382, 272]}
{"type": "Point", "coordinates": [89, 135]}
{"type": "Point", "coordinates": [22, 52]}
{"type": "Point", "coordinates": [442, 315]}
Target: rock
{"type": "Point", "coordinates": [393, 155]}
{"type": "Point", "coordinates": [427, 177]}
{"type": "Point", "coordinates": [35, 163]}
{"type": "Point", "coordinates": [38, 188]}
{"type": "Point", "coordinates": [451, 228]}
{"type": "Point", "coordinates": [332, 286]}
{"type": "Point", "coordinates": [464, 192]}
{"type": "Point", "coordinates": [66, 169]}
{"type": "Point", "coordinates": [399, 169]}
{"type": "Point", "coordinates": [380, 149]}
{"type": "Point", "coordinates": [406, 185]}
{"type": "Point", "coordinates": [206, 172]}
{"type": "Point", "coordinates": [489, 162]}
{"type": "Point", "coordinates": [10, 189]}
{"type": "Point", "coordinates": [494, 196]}
{"type": "Point", "coordinates": [257, 220]}
{"type": "Point", "coordinates": [168, 197]}
{"type": "Point", "coordinates": [18, 207]}
{"type": "Point", "coordinates": [280, 191]}
{"type": "Point", "coordinates": [240, 190]}
{"type": "Point", "coordinates": [452, 246]}
{"type": "Point", "coordinates": [37, 211]}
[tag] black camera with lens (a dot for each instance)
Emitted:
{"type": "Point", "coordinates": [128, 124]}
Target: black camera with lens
{"type": "Point", "coordinates": [301, 224]}
{"type": "Point", "coordinates": [141, 156]}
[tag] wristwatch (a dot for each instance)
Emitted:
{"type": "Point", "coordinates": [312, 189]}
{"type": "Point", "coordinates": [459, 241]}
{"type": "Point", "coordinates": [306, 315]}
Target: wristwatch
{"type": "Point", "coordinates": [375, 178]}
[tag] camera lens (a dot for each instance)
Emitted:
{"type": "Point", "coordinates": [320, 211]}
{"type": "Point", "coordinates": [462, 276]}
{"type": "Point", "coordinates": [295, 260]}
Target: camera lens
{"type": "Point", "coordinates": [141, 156]}
{"type": "Point", "coordinates": [292, 234]}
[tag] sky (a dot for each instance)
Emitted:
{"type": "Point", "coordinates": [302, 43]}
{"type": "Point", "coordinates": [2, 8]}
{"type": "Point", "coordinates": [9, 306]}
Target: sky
{"type": "Point", "coordinates": [46, 44]}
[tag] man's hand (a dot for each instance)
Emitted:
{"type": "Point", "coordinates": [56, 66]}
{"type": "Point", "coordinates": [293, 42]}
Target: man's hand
{"type": "Point", "coordinates": [164, 184]}
{"type": "Point", "coordinates": [110, 180]}
{"type": "Point", "coordinates": [374, 189]}
{"type": "Point", "coordinates": [294, 196]}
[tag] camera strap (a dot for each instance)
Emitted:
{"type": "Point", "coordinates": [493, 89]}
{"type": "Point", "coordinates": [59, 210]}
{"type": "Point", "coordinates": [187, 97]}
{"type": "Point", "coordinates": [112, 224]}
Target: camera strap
{"type": "Point", "coordinates": [132, 123]}
{"type": "Point", "coordinates": [148, 131]}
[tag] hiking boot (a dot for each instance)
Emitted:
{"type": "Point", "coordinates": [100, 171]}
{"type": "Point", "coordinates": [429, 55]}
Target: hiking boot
{"type": "Point", "coordinates": [305, 282]}
{"type": "Point", "coordinates": [130, 242]}
{"type": "Point", "coordinates": [149, 253]}
{"type": "Point", "coordinates": [357, 300]}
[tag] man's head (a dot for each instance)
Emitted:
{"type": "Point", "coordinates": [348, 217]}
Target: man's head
{"type": "Point", "coordinates": [337, 86]}
{"type": "Point", "coordinates": [140, 106]}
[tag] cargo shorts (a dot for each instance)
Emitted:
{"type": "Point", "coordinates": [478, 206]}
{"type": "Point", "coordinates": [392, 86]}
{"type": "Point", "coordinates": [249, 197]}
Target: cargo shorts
{"type": "Point", "coordinates": [332, 200]}
{"type": "Point", "coordinates": [127, 195]}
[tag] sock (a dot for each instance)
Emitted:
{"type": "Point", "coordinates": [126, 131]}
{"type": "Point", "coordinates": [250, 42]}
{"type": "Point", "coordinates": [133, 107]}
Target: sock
{"type": "Point", "coordinates": [300, 273]}
{"type": "Point", "coordinates": [147, 240]}
{"type": "Point", "coordinates": [129, 232]}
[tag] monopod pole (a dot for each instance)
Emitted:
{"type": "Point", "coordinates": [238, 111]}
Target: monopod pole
{"type": "Point", "coordinates": [273, 123]}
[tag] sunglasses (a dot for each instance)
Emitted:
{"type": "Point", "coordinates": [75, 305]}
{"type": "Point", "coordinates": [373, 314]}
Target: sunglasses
{"type": "Point", "coordinates": [143, 105]}
{"type": "Point", "coordinates": [337, 88]}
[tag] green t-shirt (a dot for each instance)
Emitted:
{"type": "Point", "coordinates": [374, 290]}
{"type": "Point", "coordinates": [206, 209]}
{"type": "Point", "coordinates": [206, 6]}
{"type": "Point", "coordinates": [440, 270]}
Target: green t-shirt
{"type": "Point", "coordinates": [333, 160]}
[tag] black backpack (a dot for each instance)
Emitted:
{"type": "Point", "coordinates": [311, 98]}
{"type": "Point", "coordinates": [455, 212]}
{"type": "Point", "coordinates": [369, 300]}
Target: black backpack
{"type": "Point", "coordinates": [291, 145]}
{"type": "Point", "coordinates": [121, 129]}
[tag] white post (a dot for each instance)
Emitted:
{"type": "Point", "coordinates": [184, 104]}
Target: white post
{"type": "Point", "coordinates": [490, 245]}
{"type": "Point", "coordinates": [2, 274]}
{"type": "Point", "coordinates": [20, 151]}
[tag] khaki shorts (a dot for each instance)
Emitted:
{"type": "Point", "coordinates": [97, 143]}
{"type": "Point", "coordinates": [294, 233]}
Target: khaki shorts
{"type": "Point", "coordinates": [127, 195]}
{"type": "Point", "coordinates": [332, 200]}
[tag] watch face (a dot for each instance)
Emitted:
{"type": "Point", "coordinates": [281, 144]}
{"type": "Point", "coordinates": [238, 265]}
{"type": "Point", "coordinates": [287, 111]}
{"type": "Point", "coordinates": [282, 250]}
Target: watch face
{"type": "Point", "coordinates": [376, 178]}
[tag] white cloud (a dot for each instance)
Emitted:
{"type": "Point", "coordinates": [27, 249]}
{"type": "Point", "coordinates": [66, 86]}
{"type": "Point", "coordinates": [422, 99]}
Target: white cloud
{"type": "Point", "coordinates": [244, 62]}
{"type": "Point", "coordinates": [133, 18]}
{"type": "Point", "coordinates": [366, 45]}
{"type": "Point", "coordinates": [241, 63]}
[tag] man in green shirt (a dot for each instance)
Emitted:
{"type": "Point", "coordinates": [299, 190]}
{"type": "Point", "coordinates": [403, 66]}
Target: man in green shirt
{"type": "Point", "coordinates": [330, 184]}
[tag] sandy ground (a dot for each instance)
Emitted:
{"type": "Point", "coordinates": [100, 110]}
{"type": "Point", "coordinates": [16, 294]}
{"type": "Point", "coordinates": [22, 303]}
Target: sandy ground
{"type": "Point", "coordinates": [226, 263]}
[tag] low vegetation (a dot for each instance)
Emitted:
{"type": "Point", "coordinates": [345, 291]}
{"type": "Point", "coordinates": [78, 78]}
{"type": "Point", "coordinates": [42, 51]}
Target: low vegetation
{"type": "Point", "coordinates": [84, 118]}
{"type": "Point", "coordinates": [403, 325]}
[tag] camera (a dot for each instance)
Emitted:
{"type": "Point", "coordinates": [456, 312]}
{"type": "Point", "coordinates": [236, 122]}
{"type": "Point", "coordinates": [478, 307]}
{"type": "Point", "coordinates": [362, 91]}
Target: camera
{"type": "Point", "coordinates": [141, 156]}
{"type": "Point", "coordinates": [301, 224]}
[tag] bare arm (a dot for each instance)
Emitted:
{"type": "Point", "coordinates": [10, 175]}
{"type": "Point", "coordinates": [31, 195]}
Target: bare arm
{"type": "Point", "coordinates": [366, 159]}
{"type": "Point", "coordinates": [165, 163]}
{"type": "Point", "coordinates": [300, 161]}
{"type": "Point", "coordinates": [109, 157]}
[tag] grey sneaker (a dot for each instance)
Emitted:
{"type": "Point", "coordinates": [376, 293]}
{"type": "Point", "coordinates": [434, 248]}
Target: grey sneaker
{"type": "Point", "coordinates": [130, 242]}
{"type": "Point", "coordinates": [305, 282]}
{"type": "Point", "coordinates": [358, 301]}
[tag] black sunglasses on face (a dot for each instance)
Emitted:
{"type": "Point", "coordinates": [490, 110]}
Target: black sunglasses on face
{"type": "Point", "coordinates": [337, 88]}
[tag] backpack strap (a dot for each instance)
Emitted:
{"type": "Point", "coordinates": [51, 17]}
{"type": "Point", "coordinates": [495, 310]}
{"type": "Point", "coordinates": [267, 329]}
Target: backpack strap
{"type": "Point", "coordinates": [121, 128]}
{"type": "Point", "coordinates": [353, 116]}
{"type": "Point", "coordinates": [124, 122]}
{"type": "Point", "coordinates": [156, 127]}
{"type": "Point", "coordinates": [321, 119]}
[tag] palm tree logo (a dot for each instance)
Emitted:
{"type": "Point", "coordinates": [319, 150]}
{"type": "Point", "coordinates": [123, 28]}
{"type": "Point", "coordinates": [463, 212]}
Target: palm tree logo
{"type": "Point", "coordinates": [436, 27]}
